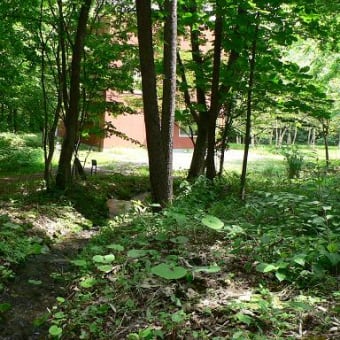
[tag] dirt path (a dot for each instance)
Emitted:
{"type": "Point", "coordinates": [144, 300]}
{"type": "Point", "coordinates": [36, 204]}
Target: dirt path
{"type": "Point", "coordinates": [35, 288]}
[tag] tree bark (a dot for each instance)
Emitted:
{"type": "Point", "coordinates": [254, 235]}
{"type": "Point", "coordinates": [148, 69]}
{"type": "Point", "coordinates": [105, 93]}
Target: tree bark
{"type": "Point", "coordinates": [64, 175]}
{"type": "Point", "coordinates": [225, 133]}
{"type": "Point", "coordinates": [215, 104]}
{"type": "Point", "coordinates": [169, 90]}
{"type": "Point", "coordinates": [198, 159]}
{"type": "Point", "coordinates": [325, 131]}
{"type": "Point", "coordinates": [157, 140]}
{"type": "Point", "coordinates": [252, 63]}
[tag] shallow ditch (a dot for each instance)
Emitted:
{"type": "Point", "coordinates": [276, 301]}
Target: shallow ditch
{"type": "Point", "coordinates": [34, 289]}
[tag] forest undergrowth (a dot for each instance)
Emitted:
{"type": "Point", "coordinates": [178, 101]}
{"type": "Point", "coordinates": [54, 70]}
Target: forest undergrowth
{"type": "Point", "coordinates": [210, 266]}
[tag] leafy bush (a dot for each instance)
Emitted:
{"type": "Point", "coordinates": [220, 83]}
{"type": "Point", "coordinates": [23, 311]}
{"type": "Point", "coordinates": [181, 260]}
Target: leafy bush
{"type": "Point", "coordinates": [19, 153]}
{"type": "Point", "coordinates": [294, 160]}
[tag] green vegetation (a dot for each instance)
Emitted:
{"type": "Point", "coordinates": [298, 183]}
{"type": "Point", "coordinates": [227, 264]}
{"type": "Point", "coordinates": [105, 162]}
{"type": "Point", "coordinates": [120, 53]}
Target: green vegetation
{"type": "Point", "coordinates": [134, 252]}
{"type": "Point", "coordinates": [209, 266]}
{"type": "Point", "coordinates": [20, 153]}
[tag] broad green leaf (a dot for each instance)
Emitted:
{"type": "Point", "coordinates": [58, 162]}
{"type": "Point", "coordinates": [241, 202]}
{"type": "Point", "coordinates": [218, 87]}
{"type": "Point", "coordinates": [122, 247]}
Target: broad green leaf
{"type": "Point", "coordinates": [36, 249]}
{"type": "Point", "coordinates": [208, 269]}
{"type": "Point", "coordinates": [178, 316]}
{"type": "Point", "coordinates": [4, 307]}
{"type": "Point", "coordinates": [269, 268]}
{"type": "Point", "coordinates": [136, 253]}
{"type": "Point", "coordinates": [318, 220]}
{"type": "Point", "coordinates": [60, 299]}
{"type": "Point", "coordinates": [179, 240]}
{"type": "Point", "coordinates": [59, 315]}
{"type": "Point", "coordinates": [300, 305]}
{"type": "Point", "coordinates": [212, 222]}
{"type": "Point", "coordinates": [88, 282]}
{"type": "Point", "coordinates": [244, 318]}
{"type": "Point", "coordinates": [146, 333]}
{"type": "Point", "coordinates": [117, 247]}
{"type": "Point", "coordinates": [333, 247]}
{"type": "Point", "coordinates": [234, 229]}
{"type": "Point", "coordinates": [55, 330]}
{"type": "Point", "coordinates": [161, 237]}
{"type": "Point", "coordinates": [105, 268]}
{"type": "Point", "coordinates": [35, 282]}
{"type": "Point", "coordinates": [169, 272]}
{"type": "Point", "coordinates": [79, 263]}
{"type": "Point", "coordinates": [300, 259]}
{"type": "Point", "coordinates": [265, 267]}
{"type": "Point", "coordinates": [334, 258]}
{"type": "Point", "coordinates": [280, 276]}
{"type": "Point", "coordinates": [103, 258]}
{"type": "Point", "coordinates": [180, 218]}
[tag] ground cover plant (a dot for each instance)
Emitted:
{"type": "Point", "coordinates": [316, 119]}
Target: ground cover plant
{"type": "Point", "coordinates": [212, 267]}
{"type": "Point", "coordinates": [20, 152]}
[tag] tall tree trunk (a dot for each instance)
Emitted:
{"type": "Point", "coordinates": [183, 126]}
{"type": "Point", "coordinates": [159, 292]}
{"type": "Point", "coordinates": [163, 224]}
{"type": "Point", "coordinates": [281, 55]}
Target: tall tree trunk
{"type": "Point", "coordinates": [295, 134]}
{"type": "Point", "coordinates": [309, 136]}
{"type": "Point", "coordinates": [252, 63]}
{"type": "Point", "coordinates": [62, 66]}
{"type": "Point", "coordinates": [325, 131]}
{"type": "Point", "coordinates": [200, 118]}
{"type": "Point", "coordinates": [282, 133]}
{"type": "Point", "coordinates": [159, 157]}
{"type": "Point", "coordinates": [198, 159]}
{"type": "Point", "coordinates": [48, 129]}
{"type": "Point", "coordinates": [64, 175]}
{"type": "Point", "coordinates": [225, 133]}
{"type": "Point", "coordinates": [215, 103]}
{"type": "Point", "coordinates": [216, 89]}
{"type": "Point", "coordinates": [169, 90]}
{"type": "Point", "coordinates": [15, 120]}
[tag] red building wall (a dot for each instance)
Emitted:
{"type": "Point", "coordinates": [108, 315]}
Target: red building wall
{"type": "Point", "coordinates": [133, 126]}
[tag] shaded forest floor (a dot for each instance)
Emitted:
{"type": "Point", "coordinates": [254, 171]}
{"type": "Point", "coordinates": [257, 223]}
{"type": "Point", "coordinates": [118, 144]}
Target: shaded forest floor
{"type": "Point", "coordinates": [208, 267]}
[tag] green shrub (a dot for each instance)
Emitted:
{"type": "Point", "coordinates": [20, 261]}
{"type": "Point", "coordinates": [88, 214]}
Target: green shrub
{"type": "Point", "coordinates": [295, 160]}
{"type": "Point", "coordinates": [20, 153]}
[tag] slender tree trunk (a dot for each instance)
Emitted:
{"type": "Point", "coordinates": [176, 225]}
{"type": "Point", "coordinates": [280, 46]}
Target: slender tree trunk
{"type": "Point", "coordinates": [227, 126]}
{"type": "Point", "coordinates": [63, 65]}
{"type": "Point", "coordinates": [295, 134]}
{"type": "Point", "coordinates": [313, 136]}
{"type": "Point", "coordinates": [198, 159]}
{"type": "Point", "coordinates": [309, 136]}
{"type": "Point", "coordinates": [48, 131]}
{"type": "Point", "coordinates": [64, 175]}
{"type": "Point", "coordinates": [200, 146]}
{"type": "Point", "coordinates": [252, 63]}
{"type": "Point", "coordinates": [15, 120]}
{"type": "Point", "coordinates": [282, 133]}
{"type": "Point", "coordinates": [325, 131]}
{"type": "Point", "coordinates": [169, 90]}
{"type": "Point", "coordinates": [289, 137]}
{"type": "Point", "coordinates": [215, 100]}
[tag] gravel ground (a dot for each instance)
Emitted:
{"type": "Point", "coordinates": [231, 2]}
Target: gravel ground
{"type": "Point", "coordinates": [182, 158]}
